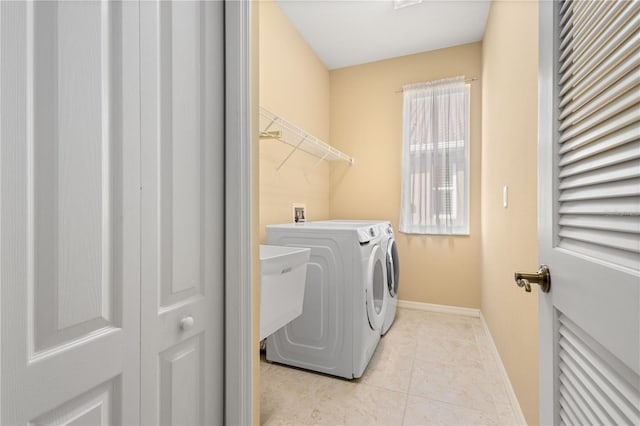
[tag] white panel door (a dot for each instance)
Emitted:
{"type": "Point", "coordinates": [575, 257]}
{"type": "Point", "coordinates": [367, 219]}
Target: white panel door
{"type": "Point", "coordinates": [70, 211]}
{"type": "Point", "coordinates": [182, 65]}
{"type": "Point", "coordinates": [589, 212]}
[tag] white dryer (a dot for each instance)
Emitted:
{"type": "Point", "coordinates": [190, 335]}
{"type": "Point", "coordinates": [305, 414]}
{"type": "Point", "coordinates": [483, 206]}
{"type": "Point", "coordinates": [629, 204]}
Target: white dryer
{"type": "Point", "coordinates": [343, 311]}
{"type": "Point", "coordinates": [392, 280]}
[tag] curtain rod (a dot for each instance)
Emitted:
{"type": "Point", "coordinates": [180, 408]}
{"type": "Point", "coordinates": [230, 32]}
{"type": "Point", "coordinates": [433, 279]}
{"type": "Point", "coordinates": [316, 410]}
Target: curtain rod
{"type": "Point", "coordinates": [467, 80]}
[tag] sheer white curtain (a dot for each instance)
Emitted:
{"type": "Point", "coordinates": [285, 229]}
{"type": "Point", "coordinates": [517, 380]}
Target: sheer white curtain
{"type": "Point", "coordinates": [435, 158]}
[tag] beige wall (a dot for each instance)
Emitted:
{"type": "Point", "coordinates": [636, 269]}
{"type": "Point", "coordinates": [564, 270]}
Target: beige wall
{"type": "Point", "coordinates": [366, 123]}
{"type": "Point", "coordinates": [509, 157]}
{"type": "Point", "coordinates": [294, 84]}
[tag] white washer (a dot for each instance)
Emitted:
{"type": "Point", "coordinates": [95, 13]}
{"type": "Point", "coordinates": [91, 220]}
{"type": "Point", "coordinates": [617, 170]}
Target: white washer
{"type": "Point", "coordinates": [392, 279]}
{"type": "Point", "coordinates": [344, 309]}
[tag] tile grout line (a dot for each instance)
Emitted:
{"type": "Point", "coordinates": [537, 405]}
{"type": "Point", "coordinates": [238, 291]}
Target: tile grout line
{"type": "Point", "coordinates": [406, 400]}
{"type": "Point", "coordinates": [478, 345]}
{"type": "Point", "coordinates": [482, 340]}
{"type": "Point", "coordinates": [472, 341]}
{"type": "Point", "coordinates": [506, 382]}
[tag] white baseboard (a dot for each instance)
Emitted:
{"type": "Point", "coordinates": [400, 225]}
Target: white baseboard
{"type": "Point", "coordinates": [517, 411]}
{"type": "Point", "coordinates": [443, 309]}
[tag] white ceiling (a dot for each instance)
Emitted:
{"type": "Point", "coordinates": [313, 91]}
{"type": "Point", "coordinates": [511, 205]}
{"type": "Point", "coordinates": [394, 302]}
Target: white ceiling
{"type": "Point", "coordinates": [345, 33]}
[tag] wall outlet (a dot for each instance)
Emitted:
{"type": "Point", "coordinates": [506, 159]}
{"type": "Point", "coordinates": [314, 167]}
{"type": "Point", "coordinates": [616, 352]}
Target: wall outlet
{"type": "Point", "coordinates": [299, 212]}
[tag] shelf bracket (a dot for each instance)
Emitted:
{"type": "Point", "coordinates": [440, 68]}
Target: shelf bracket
{"type": "Point", "coordinates": [315, 166]}
{"type": "Point", "coordinates": [274, 134]}
{"type": "Point", "coordinates": [291, 153]}
{"type": "Point", "coordinates": [317, 163]}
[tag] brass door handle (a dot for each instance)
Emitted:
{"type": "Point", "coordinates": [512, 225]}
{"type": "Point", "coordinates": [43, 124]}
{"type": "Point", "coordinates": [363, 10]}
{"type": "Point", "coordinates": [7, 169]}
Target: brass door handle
{"type": "Point", "coordinates": [542, 278]}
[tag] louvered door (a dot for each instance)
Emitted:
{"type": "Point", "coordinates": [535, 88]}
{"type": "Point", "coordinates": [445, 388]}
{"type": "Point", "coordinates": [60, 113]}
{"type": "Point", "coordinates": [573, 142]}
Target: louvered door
{"type": "Point", "coordinates": [589, 211]}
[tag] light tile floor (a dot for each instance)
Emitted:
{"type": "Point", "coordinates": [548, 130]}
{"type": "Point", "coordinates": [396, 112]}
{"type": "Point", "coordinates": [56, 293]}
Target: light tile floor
{"type": "Point", "coordinates": [429, 369]}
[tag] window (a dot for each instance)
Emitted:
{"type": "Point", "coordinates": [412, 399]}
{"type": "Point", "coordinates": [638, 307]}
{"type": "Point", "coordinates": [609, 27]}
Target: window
{"type": "Point", "coordinates": [435, 158]}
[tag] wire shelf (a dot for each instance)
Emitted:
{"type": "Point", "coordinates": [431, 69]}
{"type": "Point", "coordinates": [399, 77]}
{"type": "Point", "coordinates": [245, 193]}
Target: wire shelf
{"type": "Point", "coordinates": [275, 127]}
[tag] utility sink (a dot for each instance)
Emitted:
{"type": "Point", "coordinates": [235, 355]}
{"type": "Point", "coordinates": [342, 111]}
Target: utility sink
{"type": "Point", "coordinates": [283, 273]}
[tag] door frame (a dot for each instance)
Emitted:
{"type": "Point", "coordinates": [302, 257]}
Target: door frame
{"type": "Point", "coordinates": [547, 113]}
{"type": "Point", "coordinates": [239, 114]}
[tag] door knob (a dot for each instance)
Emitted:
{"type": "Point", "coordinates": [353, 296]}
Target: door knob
{"type": "Point", "coordinates": [186, 323]}
{"type": "Point", "coordinates": [542, 278]}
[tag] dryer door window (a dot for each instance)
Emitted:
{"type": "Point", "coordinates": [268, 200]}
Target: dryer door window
{"type": "Point", "coordinates": [375, 288]}
{"type": "Point", "coordinates": [393, 268]}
